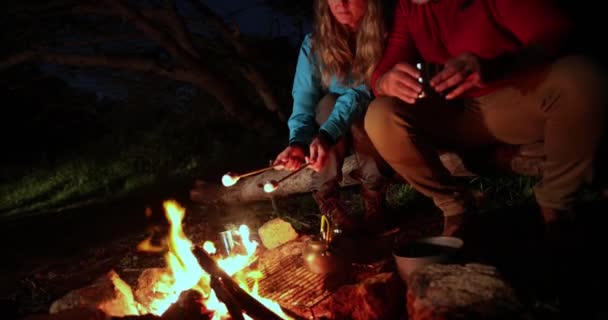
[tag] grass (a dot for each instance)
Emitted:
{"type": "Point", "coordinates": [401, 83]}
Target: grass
{"type": "Point", "coordinates": [130, 156]}
{"type": "Point", "coordinates": [497, 193]}
{"type": "Point", "coordinates": [504, 191]}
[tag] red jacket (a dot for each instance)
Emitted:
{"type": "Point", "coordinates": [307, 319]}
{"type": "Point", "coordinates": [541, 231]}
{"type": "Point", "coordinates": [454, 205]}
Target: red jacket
{"type": "Point", "coordinates": [442, 29]}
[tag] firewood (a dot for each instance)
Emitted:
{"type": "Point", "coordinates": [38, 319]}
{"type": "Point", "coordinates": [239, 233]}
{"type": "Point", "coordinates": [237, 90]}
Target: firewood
{"type": "Point", "coordinates": [250, 305]}
{"type": "Point", "coordinates": [235, 310]}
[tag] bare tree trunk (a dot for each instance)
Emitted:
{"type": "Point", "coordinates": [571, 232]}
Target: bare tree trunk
{"type": "Point", "coordinates": [251, 189]}
{"type": "Point", "coordinates": [522, 160]}
{"type": "Point", "coordinates": [189, 66]}
{"type": "Point", "coordinates": [248, 68]}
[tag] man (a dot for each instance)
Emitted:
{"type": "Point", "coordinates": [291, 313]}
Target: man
{"type": "Point", "coordinates": [504, 79]}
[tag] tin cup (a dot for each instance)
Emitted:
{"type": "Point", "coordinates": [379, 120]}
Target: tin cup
{"type": "Point", "coordinates": [427, 71]}
{"type": "Point", "coordinates": [228, 242]}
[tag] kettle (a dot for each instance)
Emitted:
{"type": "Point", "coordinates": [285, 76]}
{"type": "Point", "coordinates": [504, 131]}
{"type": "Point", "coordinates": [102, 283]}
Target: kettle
{"type": "Point", "coordinates": [318, 255]}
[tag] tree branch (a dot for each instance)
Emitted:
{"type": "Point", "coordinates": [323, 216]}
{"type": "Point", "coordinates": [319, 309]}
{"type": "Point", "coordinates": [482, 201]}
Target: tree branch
{"type": "Point", "coordinates": [17, 59]}
{"type": "Point", "coordinates": [178, 25]}
{"type": "Point", "coordinates": [219, 89]}
{"type": "Point", "coordinates": [107, 61]}
{"type": "Point", "coordinates": [169, 18]}
{"type": "Point", "coordinates": [191, 69]}
{"type": "Point", "coordinates": [247, 67]}
{"type": "Point", "coordinates": [145, 25]}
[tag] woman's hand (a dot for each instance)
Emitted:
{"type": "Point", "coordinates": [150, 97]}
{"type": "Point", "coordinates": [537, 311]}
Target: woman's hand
{"type": "Point", "coordinates": [461, 73]}
{"type": "Point", "coordinates": [319, 153]}
{"type": "Point", "coordinates": [400, 82]}
{"type": "Point", "coordinates": [291, 158]}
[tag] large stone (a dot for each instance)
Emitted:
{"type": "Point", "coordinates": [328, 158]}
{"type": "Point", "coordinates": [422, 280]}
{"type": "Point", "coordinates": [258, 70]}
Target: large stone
{"type": "Point", "coordinates": [377, 297]}
{"type": "Point", "coordinates": [109, 294]}
{"type": "Point", "coordinates": [472, 291]}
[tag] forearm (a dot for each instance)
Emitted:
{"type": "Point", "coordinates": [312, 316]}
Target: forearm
{"type": "Point", "coordinates": [348, 106]}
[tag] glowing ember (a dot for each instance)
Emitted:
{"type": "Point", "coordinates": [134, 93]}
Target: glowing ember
{"type": "Point", "coordinates": [271, 186]}
{"type": "Point", "coordinates": [230, 179]}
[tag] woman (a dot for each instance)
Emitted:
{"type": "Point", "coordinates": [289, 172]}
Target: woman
{"type": "Point", "coordinates": [330, 95]}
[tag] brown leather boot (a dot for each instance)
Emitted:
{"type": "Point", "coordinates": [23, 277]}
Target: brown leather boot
{"type": "Point", "coordinates": [453, 226]}
{"type": "Point", "coordinates": [559, 228]}
{"type": "Point", "coordinates": [374, 202]}
{"type": "Point", "coordinates": [331, 205]}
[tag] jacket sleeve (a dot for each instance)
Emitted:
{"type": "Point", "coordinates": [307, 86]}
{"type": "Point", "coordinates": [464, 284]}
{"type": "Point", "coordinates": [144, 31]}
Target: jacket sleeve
{"type": "Point", "coordinates": [400, 46]}
{"type": "Point", "coordinates": [348, 106]}
{"type": "Point", "coordinates": [533, 21]}
{"type": "Point", "coordinates": [306, 93]}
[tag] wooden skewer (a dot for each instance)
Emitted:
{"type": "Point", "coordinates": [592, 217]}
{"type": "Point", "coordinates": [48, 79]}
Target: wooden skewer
{"type": "Point", "coordinates": [294, 172]}
{"type": "Point", "coordinates": [258, 171]}
{"type": "Point", "coordinates": [272, 185]}
{"type": "Point", "coordinates": [230, 179]}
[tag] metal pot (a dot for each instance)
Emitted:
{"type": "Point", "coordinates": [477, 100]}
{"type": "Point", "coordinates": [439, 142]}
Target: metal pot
{"type": "Point", "coordinates": [410, 256]}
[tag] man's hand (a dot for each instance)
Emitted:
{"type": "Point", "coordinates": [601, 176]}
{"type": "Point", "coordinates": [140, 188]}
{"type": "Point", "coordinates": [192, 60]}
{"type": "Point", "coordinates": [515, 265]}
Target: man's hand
{"type": "Point", "coordinates": [400, 82]}
{"type": "Point", "coordinates": [319, 153]}
{"type": "Point", "coordinates": [291, 158]}
{"type": "Point", "coordinates": [461, 73]}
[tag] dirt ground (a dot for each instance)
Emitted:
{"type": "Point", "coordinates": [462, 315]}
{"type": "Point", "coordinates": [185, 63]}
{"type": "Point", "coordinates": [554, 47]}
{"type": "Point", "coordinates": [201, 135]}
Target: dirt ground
{"type": "Point", "coordinates": [45, 257]}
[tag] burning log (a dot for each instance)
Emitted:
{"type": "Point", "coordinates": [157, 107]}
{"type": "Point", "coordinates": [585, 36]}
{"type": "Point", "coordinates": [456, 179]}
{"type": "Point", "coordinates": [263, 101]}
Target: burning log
{"type": "Point", "coordinates": [222, 282]}
{"type": "Point", "coordinates": [231, 304]}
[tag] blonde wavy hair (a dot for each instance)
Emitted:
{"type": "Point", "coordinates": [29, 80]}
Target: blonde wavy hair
{"type": "Point", "coordinates": [344, 54]}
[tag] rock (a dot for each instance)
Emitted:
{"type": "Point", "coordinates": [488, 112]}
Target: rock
{"type": "Point", "coordinates": [380, 296]}
{"type": "Point", "coordinates": [472, 291]}
{"type": "Point", "coordinates": [154, 290]}
{"type": "Point", "coordinates": [78, 313]}
{"type": "Point", "coordinates": [276, 232]}
{"type": "Point", "coordinates": [109, 294]}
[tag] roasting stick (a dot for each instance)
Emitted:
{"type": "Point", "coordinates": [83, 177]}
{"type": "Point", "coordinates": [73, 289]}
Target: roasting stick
{"type": "Point", "coordinates": [273, 185]}
{"type": "Point", "coordinates": [231, 178]}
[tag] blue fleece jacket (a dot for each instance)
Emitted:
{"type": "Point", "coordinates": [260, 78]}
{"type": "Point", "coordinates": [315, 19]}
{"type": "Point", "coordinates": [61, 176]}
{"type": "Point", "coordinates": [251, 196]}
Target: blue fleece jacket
{"type": "Point", "coordinates": [308, 90]}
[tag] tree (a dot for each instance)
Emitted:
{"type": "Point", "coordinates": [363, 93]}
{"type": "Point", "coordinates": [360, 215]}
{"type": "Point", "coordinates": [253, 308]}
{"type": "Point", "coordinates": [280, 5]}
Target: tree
{"type": "Point", "coordinates": [183, 49]}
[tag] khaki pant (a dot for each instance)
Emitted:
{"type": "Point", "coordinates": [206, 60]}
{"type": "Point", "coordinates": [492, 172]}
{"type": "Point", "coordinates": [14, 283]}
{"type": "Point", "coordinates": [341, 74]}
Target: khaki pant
{"type": "Point", "coordinates": [563, 106]}
{"type": "Point", "coordinates": [326, 181]}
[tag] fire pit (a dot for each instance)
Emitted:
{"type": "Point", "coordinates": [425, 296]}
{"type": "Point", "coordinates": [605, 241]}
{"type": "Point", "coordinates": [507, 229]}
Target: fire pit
{"type": "Point", "coordinates": [250, 283]}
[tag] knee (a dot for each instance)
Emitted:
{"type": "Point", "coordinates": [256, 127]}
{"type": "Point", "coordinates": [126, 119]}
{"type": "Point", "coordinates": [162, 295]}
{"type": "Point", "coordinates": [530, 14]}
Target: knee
{"type": "Point", "coordinates": [582, 79]}
{"type": "Point", "coordinates": [380, 114]}
{"type": "Point", "coordinates": [325, 107]}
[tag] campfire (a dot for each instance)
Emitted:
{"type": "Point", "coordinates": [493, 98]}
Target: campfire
{"type": "Point", "coordinates": [237, 278]}
{"type": "Point", "coordinates": [184, 272]}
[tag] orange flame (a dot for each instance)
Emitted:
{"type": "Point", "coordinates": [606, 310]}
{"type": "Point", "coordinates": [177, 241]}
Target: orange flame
{"type": "Point", "coordinates": [185, 273]}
